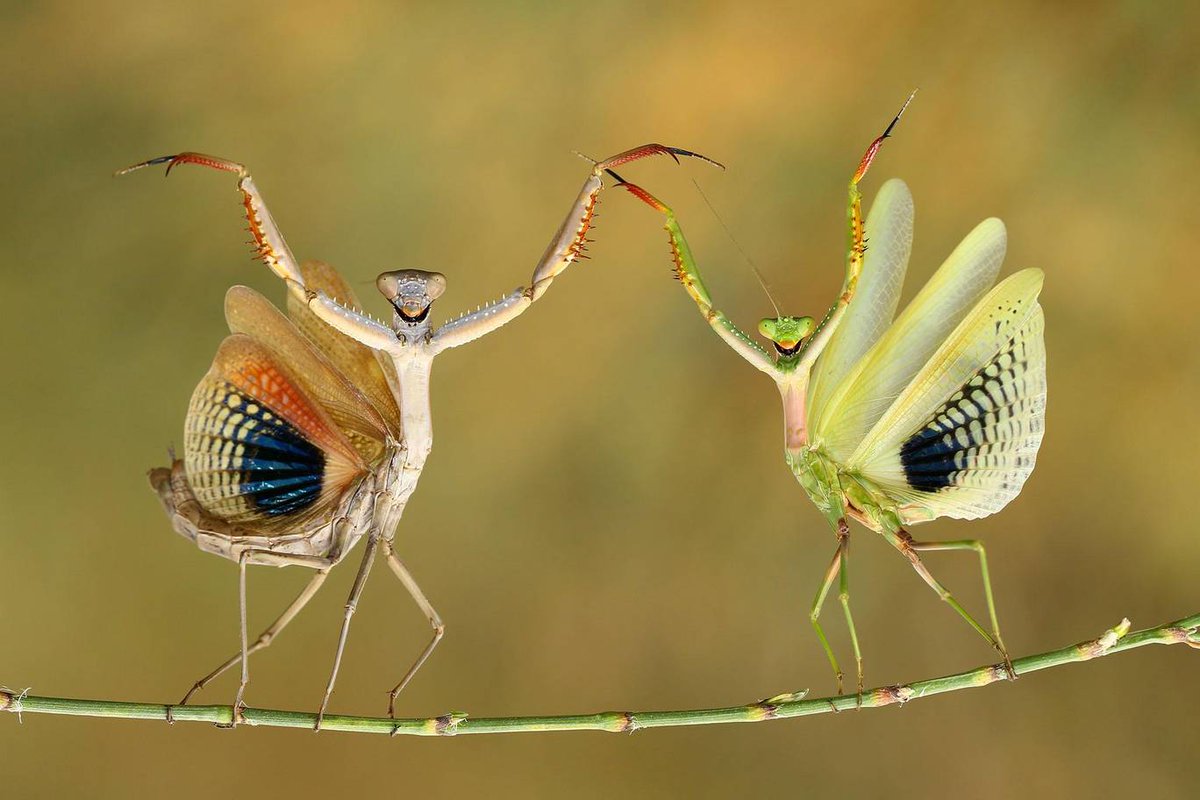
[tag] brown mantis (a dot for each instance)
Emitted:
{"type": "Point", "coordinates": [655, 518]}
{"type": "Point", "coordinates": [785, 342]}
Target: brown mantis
{"type": "Point", "coordinates": [309, 431]}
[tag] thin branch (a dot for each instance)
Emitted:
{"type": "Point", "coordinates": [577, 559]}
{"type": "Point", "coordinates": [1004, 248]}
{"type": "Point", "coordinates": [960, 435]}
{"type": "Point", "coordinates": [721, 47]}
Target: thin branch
{"type": "Point", "coordinates": [1116, 640]}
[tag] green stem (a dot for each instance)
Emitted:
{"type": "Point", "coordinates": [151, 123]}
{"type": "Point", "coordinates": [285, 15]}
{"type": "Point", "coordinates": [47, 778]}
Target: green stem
{"type": "Point", "coordinates": [1116, 640]}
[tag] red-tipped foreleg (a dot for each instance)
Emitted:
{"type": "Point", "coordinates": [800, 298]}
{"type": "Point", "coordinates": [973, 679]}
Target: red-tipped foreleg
{"type": "Point", "coordinates": [269, 245]}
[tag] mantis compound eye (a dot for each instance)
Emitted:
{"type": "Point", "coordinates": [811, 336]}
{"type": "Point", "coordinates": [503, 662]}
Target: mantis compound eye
{"type": "Point", "coordinates": [436, 284]}
{"type": "Point", "coordinates": [766, 328]}
{"type": "Point", "coordinates": [411, 291]}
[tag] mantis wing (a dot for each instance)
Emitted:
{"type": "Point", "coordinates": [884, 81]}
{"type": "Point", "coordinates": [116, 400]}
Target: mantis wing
{"type": "Point", "coordinates": [889, 226]}
{"type": "Point", "coordinates": [879, 376]}
{"type": "Point", "coordinates": [373, 373]}
{"type": "Point", "coordinates": [250, 313]}
{"type": "Point", "coordinates": [258, 450]}
{"type": "Point", "coordinates": [962, 437]}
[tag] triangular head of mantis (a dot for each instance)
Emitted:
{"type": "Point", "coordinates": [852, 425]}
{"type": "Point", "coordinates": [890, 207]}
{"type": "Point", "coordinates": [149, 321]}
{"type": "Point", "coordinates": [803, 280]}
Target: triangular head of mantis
{"type": "Point", "coordinates": [787, 333]}
{"type": "Point", "coordinates": [411, 292]}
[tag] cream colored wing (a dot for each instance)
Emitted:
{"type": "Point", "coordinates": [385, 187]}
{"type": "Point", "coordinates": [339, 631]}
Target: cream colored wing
{"type": "Point", "coordinates": [888, 230]}
{"type": "Point", "coordinates": [962, 437]}
{"type": "Point", "coordinates": [874, 382]}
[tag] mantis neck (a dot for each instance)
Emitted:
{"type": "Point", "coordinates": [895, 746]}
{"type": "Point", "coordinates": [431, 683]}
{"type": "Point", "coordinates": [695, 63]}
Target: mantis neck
{"type": "Point", "coordinates": [412, 369]}
{"type": "Point", "coordinates": [795, 413]}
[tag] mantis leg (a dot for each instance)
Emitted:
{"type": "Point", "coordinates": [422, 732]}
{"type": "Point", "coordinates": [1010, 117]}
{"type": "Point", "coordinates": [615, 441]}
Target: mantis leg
{"type": "Point", "coordinates": [243, 560]}
{"type": "Point", "coordinates": [844, 599]}
{"type": "Point", "coordinates": [570, 242]}
{"type": "Point", "coordinates": [268, 242]}
{"type": "Point", "coordinates": [435, 622]}
{"type": "Point", "coordinates": [838, 568]}
{"type": "Point", "coordinates": [237, 702]}
{"type": "Point", "coordinates": [977, 546]}
{"type": "Point", "coordinates": [906, 545]}
{"type": "Point", "coordinates": [272, 250]}
{"type": "Point", "coordinates": [568, 245]}
{"type": "Point", "coordinates": [856, 245]}
{"type": "Point", "coordinates": [265, 638]}
{"type": "Point", "coordinates": [688, 274]}
{"type": "Point", "coordinates": [835, 567]}
{"type": "Point", "coordinates": [360, 581]}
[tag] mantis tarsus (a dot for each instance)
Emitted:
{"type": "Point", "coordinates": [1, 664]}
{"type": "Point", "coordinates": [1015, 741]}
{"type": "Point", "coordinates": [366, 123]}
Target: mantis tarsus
{"type": "Point", "coordinates": [309, 434]}
{"type": "Point", "coordinates": [939, 413]}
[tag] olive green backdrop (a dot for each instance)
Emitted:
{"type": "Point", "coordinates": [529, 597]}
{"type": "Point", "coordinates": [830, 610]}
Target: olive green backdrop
{"type": "Point", "coordinates": [606, 520]}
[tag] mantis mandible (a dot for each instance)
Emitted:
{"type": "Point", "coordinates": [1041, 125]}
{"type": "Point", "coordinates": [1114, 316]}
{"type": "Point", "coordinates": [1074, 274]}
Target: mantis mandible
{"type": "Point", "coordinates": [309, 433]}
{"type": "Point", "coordinates": [939, 413]}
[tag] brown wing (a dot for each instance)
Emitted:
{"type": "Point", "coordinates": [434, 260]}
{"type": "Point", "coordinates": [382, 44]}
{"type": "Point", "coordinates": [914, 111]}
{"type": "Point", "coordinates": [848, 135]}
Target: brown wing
{"type": "Point", "coordinates": [250, 313]}
{"type": "Point", "coordinates": [258, 449]}
{"type": "Point", "coordinates": [372, 373]}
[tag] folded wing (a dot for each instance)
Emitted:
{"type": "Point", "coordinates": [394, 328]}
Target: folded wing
{"type": "Point", "coordinates": [889, 228]}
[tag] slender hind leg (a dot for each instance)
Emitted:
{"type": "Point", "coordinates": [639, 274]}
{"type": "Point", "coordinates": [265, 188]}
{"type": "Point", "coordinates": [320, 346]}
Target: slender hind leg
{"type": "Point", "coordinates": [237, 702]}
{"type": "Point", "coordinates": [435, 622]}
{"type": "Point", "coordinates": [906, 545]}
{"type": "Point", "coordinates": [977, 546]}
{"type": "Point", "coordinates": [837, 569]}
{"type": "Point", "coordinates": [360, 581]}
{"type": "Point", "coordinates": [267, 636]}
{"type": "Point", "coordinates": [844, 599]}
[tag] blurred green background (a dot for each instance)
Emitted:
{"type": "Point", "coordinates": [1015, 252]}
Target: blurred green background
{"type": "Point", "coordinates": [606, 520]}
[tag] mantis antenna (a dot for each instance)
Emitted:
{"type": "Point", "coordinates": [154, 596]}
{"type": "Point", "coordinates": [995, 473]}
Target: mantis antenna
{"type": "Point", "coordinates": [745, 256]}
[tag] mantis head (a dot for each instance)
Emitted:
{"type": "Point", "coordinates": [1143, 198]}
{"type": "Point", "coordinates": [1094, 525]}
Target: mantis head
{"type": "Point", "coordinates": [411, 292]}
{"type": "Point", "coordinates": [787, 333]}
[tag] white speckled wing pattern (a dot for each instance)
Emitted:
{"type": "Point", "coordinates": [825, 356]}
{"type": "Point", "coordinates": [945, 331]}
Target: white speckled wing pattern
{"type": "Point", "coordinates": [889, 228]}
{"type": "Point", "coordinates": [962, 437]}
{"type": "Point", "coordinates": [873, 384]}
{"type": "Point", "coordinates": [258, 448]}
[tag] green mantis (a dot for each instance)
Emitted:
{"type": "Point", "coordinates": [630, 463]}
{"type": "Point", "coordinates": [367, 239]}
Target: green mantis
{"type": "Point", "coordinates": [939, 413]}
